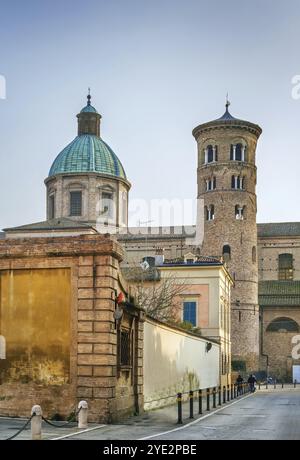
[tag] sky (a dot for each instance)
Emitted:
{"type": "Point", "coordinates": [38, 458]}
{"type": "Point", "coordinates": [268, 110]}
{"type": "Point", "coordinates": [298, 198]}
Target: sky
{"type": "Point", "coordinates": [156, 70]}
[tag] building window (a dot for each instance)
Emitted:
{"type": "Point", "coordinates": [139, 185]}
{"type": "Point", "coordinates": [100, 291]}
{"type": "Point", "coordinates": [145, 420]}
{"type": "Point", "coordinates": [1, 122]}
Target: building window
{"type": "Point", "coordinates": [237, 152]}
{"type": "Point", "coordinates": [108, 205]}
{"type": "Point", "coordinates": [286, 267]}
{"type": "Point", "coordinates": [124, 208]}
{"type": "Point", "coordinates": [237, 182]}
{"type": "Point", "coordinates": [125, 346]}
{"type": "Point", "coordinates": [210, 212]}
{"type": "Point", "coordinates": [226, 253]}
{"type": "Point", "coordinates": [283, 325]}
{"type": "Point", "coordinates": [211, 184]}
{"type": "Point", "coordinates": [52, 206]}
{"type": "Point", "coordinates": [211, 154]}
{"type": "Point", "coordinates": [189, 312]}
{"type": "Point", "coordinates": [254, 254]}
{"type": "Point", "coordinates": [75, 203]}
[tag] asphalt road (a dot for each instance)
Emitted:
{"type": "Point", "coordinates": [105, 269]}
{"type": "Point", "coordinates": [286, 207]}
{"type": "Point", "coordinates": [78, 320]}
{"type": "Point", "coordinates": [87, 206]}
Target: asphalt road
{"type": "Point", "coordinates": [263, 416]}
{"type": "Point", "coordinates": [266, 415]}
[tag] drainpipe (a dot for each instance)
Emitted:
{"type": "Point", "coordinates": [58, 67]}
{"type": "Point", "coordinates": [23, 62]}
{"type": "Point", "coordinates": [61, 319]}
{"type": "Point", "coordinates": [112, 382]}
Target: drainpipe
{"type": "Point", "coordinates": [262, 341]}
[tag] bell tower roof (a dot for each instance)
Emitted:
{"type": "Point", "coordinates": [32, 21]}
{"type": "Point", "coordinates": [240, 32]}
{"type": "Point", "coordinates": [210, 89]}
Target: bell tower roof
{"type": "Point", "coordinates": [228, 121]}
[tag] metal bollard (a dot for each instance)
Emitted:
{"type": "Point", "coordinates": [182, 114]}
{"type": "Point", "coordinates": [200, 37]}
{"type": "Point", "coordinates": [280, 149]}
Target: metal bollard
{"type": "Point", "coordinates": [83, 414]}
{"type": "Point", "coordinates": [214, 398]}
{"type": "Point", "coordinates": [282, 385]}
{"type": "Point", "coordinates": [36, 423]}
{"type": "Point", "coordinates": [207, 399]}
{"type": "Point", "coordinates": [191, 397]}
{"type": "Point", "coordinates": [200, 402]}
{"type": "Point", "coordinates": [224, 394]}
{"type": "Point", "coordinates": [228, 393]}
{"type": "Point", "coordinates": [231, 395]}
{"type": "Point", "coordinates": [295, 383]}
{"type": "Point", "coordinates": [220, 396]}
{"type": "Point", "coordinates": [179, 406]}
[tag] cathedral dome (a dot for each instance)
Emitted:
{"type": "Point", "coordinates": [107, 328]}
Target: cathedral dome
{"type": "Point", "coordinates": [88, 153]}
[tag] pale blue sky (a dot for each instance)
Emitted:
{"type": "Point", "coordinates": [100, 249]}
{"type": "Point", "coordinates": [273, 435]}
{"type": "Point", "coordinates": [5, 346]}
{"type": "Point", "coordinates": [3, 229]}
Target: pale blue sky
{"type": "Point", "coordinates": [156, 69]}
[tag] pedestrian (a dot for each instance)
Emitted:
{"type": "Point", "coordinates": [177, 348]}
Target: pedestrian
{"type": "Point", "coordinates": [239, 382]}
{"type": "Point", "coordinates": [252, 382]}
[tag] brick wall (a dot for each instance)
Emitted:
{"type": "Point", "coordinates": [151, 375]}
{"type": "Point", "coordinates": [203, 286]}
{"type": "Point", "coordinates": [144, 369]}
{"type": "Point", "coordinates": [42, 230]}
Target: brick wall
{"type": "Point", "coordinates": [94, 374]}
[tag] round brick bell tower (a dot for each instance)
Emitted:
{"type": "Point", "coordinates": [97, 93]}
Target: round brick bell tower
{"type": "Point", "coordinates": [227, 184]}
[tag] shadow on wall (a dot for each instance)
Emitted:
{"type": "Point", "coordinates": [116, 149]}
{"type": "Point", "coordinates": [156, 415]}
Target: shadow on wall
{"type": "Point", "coordinates": [166, 375]}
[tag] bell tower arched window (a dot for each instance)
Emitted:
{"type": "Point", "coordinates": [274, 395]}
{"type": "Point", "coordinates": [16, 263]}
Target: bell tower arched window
{"type": "Point", "coordinates": [211, 184]}
{"type": "Point", "coordinates": [210, 212]}
{"type": "Point", "coordinates": [237, 182]}
{"type": "Point", "coordinates": [226, 253]}
{"type": "Point", "coordinates": [237, 152]}
{"type": "Point", "coordinates": [211, 154]}
{"type": "Point", "coordinates": [239, 212]}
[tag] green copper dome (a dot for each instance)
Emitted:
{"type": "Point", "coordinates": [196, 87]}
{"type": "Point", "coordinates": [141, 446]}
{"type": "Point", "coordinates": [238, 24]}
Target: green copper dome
{"type": "Point", "coordinates": [88, 109]}
{"type": "Point", "coordinates": [88, 153]}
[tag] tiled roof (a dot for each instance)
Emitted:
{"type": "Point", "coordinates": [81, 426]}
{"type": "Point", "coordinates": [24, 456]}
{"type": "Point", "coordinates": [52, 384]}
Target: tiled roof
{"type": "Point", "coordinates": [157, 233]}
{"type": "Point", "coordinates": [279, 293]}
{"type": "Point", "coordinates": [201, 260]}
{"type": "Point", "coordinates": [87, 153]}
{"type": "Point", "coordinates": [53, 224]}
{"type": "Point", "coordinates": [278, 229]}
{"type": "Point", "coordinates": [228, 120]}
{"type": "Point", "coordinates": [138, 274]}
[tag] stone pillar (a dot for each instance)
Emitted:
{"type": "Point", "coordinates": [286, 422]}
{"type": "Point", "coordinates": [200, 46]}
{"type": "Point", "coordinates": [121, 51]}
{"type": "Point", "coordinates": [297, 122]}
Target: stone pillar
{"type": "Point", "coordinates": [97, 354]}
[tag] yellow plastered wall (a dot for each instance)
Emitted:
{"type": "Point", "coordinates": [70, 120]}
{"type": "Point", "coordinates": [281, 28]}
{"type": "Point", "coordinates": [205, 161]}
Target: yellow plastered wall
{"type": "Point", "coordinates": [35, 322]}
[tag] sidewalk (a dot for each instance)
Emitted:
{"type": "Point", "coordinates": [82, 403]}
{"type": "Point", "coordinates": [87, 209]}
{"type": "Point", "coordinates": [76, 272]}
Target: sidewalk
{"type": "Point", "coordinates": [146, 424]}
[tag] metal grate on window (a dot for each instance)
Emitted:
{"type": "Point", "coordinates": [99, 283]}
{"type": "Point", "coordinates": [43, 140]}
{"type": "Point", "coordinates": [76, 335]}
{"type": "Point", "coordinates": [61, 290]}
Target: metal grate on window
{"type": "Point", "coordinates": [125, 348]}
{"type": "Point", "coordinates": [75, 203]}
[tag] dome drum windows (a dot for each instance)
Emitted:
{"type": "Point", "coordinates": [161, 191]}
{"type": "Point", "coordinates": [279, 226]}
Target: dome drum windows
{"type": "Point", "coordinates": [211, 184]}
{"type": "Point", "coordinates": [51, 206]}
{"type": "Point", "coordinates": [107, 211]}
{"type": "Point", "coordinates": [124, 208]}
{"type": "Point", "coordinates": [75, 203]}
{"type": "Point", "coordinates": [210, 154]}
{"type": "Point", "coordinates": [238, 152]}
{"type": "Point", "coordinates": [238, 183]}
{"type": "Point", "coordinates": [210, 212]}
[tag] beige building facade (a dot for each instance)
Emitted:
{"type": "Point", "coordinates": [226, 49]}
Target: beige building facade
{"type": "Point", "coordinates": [207, 288]}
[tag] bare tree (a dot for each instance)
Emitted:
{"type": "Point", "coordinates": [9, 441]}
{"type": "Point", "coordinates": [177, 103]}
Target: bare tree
{"type": "Point", "coordinates": [159, 297]}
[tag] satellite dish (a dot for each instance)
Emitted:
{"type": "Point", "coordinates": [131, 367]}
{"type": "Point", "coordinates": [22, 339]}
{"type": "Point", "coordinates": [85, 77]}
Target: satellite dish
{"type": "Point", "coordinates": [118, 314]}
{"type": "Point", "coordinates": [144, 265]}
